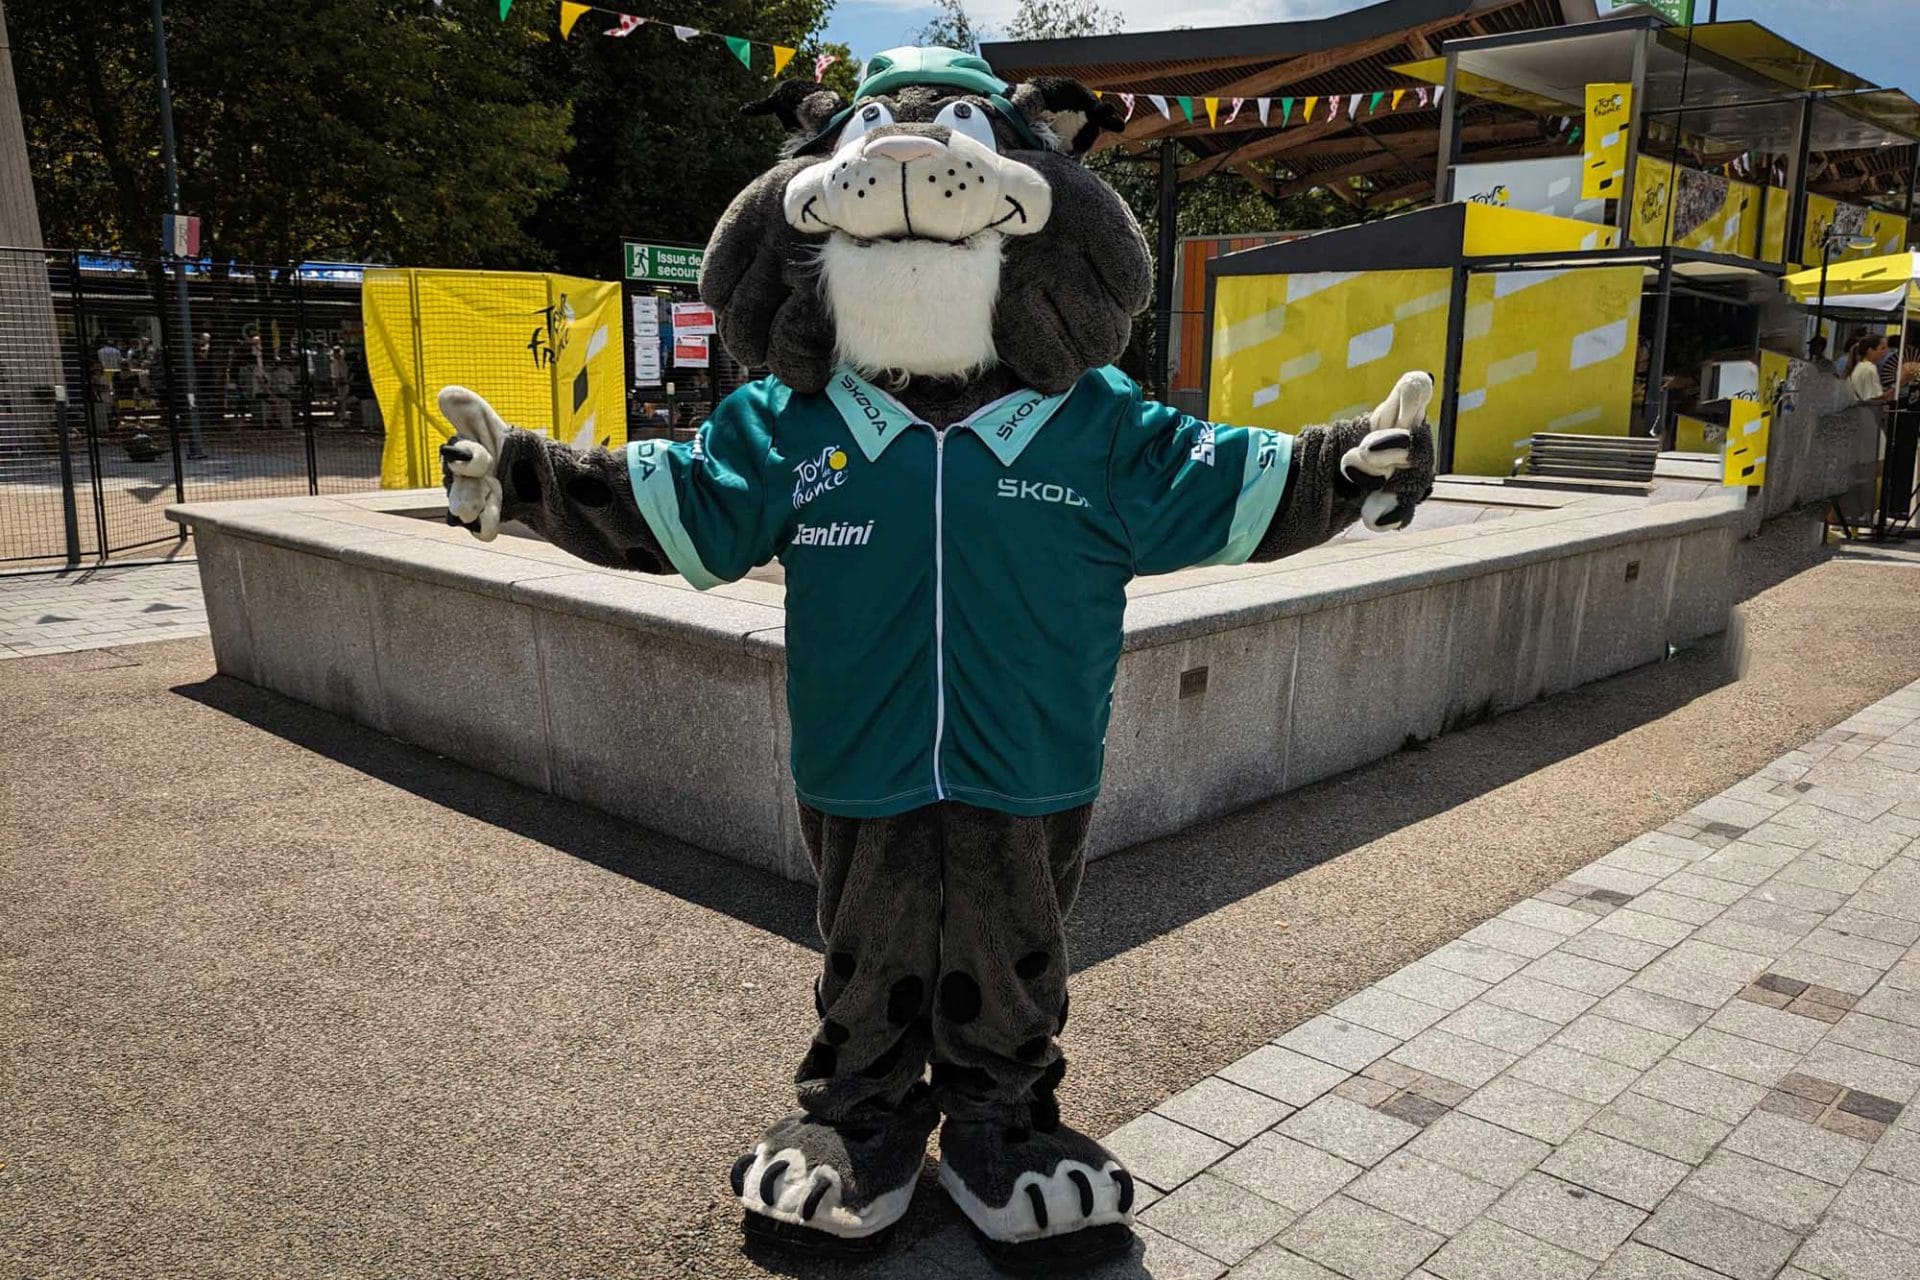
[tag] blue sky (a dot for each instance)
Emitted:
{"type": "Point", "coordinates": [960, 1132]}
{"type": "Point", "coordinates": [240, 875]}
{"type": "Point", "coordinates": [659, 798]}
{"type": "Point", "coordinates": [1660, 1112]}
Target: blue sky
{"type": "Point", "coordinates": [1878, 39]}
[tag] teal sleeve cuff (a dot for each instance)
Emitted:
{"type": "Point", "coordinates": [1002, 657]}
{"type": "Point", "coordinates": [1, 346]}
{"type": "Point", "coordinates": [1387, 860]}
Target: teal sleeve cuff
{"type": "Point", "coordinates": [1263, 481]}
{"type": "Point", "coordinates": [650, 472]}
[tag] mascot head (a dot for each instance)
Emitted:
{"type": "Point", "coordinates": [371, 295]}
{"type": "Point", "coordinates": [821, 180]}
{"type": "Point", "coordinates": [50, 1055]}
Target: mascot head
{"type": "Point", "coordinates": [942, 225]}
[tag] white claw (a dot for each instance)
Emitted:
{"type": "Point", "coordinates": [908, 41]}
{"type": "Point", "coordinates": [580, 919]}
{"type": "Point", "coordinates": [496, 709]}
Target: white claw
{"type": "Point", "coordinates": [1406, 407]}
{"type": "Point", "coordinates": [1376, 508]}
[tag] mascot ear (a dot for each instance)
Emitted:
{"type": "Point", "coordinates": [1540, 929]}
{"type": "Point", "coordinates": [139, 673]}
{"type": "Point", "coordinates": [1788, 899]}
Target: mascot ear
{"type": "Point", "coordinates": [1066, 113]}
{"type": "Point", "coordinates": [801, 107]}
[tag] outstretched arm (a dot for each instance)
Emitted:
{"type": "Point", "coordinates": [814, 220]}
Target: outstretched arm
{"type": "Point", "coordinates": [581, 501]}
{"type": "Point", "coordinates": [1374, 469]}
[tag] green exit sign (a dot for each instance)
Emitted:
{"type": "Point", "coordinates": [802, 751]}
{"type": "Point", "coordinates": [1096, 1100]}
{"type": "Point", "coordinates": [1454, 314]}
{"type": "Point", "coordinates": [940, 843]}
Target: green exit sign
{"type": "Point", "coordinates": [1678, 12]}
{"type": "Point", "coordinates": [663, 263]}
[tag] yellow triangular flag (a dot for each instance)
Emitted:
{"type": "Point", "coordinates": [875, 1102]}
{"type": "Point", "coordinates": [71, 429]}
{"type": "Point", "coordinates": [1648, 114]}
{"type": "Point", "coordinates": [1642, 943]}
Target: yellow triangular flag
{"type": "Point", "coordinates": [781, 57]}
{"type": "Point", "coordinates": [1311, 104]}
{"type": "Point", "coordinates": [570, 13]}
{"type": "Point", "coordinates": [1213, 111]}
{"type": "Point", "coordinates": [1397, 95]}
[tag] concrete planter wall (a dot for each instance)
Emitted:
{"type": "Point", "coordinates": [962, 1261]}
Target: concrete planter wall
{"type": "Point", "coordinates": [665, 706]}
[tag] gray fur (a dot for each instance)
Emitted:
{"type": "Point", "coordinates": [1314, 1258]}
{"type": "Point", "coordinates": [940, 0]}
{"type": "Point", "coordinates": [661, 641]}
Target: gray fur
{"type": "Point", "coordinates": [872, 1157]}
{"type": "Point", "coordinates": [1320, 501]}
{"type": "Point", "coordinates": [557, 492]}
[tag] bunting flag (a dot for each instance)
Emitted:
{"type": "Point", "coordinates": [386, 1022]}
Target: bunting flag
{"type": "Point", "coordinates": [1128, 99]}
{"type": "Point", "coordinates": [1260, 106]}
{"type": "Point", "coordinates": [686, 33]}
{"type": "Point", "coordinates": [1213, 112]}
{"type": "Point", "coordinates": [628, 25]}
{"type": "Point", "coordinates": [1438, 93]}
{"type": "Point", "coordinates": [1160, 103]}
{"type": "Point", "coordinates": [1186, 106]}
{"type": "Point", "coordinates": [1397, 95]}
{"type": "Point", "coordinates": [504, 6]}
{"type": "Point", "coordinates": [1235, 113]}
{"type": "Point", "coordinates": [782, 55]}
{"type": "Point", "coordinates": [570, 13]}
{"type": "Point", "coordinates": [1353, 105]}
{"type": "Point", "coordinates": [1373, 103]}
{"type": "Point", "coordinates": [1421, 93]}
{"type": "Point", "coordinates": [820, 65]}
{"type": "Point", "coordinates": [1286, 112]}
{"type": "Point", "coordinates": [1333, 108]}
{"type": "Point", "coordinates": [1306, 112]}
{"type": "Point", "coordinates": [742, 49]}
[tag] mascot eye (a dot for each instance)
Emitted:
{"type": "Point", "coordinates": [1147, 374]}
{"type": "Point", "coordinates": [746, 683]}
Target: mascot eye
{"type": "Point", "coordinates": [872, 116]}
{"type": "Point", "coordinates": [965, 117]}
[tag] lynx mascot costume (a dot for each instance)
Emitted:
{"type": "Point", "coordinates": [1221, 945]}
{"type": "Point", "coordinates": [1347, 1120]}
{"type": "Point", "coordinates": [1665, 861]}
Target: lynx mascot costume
{"type": "Point", "coordinates": [959, 486]}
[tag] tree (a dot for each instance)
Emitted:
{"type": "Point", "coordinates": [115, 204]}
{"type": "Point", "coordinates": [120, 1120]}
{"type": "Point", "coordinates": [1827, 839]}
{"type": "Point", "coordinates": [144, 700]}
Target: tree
{"type": "Point", "coordinates": [952, 28]}
{"type": "Point", "coordinates": [359, 129]}
{"type": "Point", "coordinates": [1051, 19]}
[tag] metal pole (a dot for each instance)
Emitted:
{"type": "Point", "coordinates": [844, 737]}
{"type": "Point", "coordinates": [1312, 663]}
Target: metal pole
{"type": "Point", "coordinates": [197, 447]}
{"type": "Point", "coordinates": [1820, 303]}
{"type": "Point", "coordinates": [69, 512]}
{"type": "Point", "coordinates": [1655, 410]}
{"type": "Point", "coordinates": [1167, 247]}
{"type": "Point", "coordinates": [306, 378]}
{"type": "Point", "coordinates": [1450, 372]}
{"type": "Point", "coordinates": [1636, 135]}
{"type": "Point", "coordinates": [1449, 132]}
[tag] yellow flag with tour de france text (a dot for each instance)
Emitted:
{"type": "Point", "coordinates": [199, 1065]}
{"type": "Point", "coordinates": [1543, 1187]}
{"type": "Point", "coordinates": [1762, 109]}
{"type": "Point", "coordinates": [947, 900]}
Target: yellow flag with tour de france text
{"type": "Point", "coordinates": [546, 351]}
{"type": "Point", "coordinates": [1746, 457]}
{"type": "Point", "coordinates": [1604, 140]}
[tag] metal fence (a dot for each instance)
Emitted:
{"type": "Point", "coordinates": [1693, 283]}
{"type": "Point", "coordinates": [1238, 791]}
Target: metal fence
{"type": "Point", "coordinates": [111, 409]}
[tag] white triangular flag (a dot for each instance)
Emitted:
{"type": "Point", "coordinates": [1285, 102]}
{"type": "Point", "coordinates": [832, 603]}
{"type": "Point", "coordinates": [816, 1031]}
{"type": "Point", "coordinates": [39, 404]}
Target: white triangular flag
{"type": "Point", "coordinates": [1438, 93]}
{"type": "Point", "coordinates": [686, 33]}
{"type": "Point", "coordinates": [1159, 101]}
{"type": "Point", "coordinates": [1261, 105]}
{"type": "Point", "coordinates": [1353, 106]}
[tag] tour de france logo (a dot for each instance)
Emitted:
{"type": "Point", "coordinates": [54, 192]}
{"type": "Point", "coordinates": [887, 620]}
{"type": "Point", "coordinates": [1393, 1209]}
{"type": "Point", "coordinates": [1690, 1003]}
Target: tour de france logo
{"type": "Point", "coordinates": [816, 475]}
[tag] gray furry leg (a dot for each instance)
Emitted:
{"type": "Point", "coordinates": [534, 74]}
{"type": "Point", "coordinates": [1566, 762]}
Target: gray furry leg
{"type": "Point", "coordinates": [841, 1170]}
{"type": "Point", "coordinates": [1041, 1195]}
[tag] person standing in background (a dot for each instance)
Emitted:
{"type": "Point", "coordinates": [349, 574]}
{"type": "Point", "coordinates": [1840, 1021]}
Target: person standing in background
{"type": "Point", "coordinates": [1864, 371]}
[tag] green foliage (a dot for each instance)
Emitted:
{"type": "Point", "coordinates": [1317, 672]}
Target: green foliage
{"type": "Point", "coordinates": [359, 129]}
{"type": "Point", "coordinates": [951, 28]}
{"type": "Point", "coordinates": [1051, 19]}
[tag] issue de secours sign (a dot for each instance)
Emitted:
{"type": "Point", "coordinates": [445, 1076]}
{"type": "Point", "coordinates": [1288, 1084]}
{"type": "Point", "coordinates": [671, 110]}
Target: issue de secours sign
{"type": "Point", "coordinates": [663, 263]}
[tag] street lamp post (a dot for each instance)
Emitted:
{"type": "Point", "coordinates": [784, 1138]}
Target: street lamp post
{"type": "Point", "coordinates": [197, 447]}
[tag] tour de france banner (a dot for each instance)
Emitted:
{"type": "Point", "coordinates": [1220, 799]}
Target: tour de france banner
{"type": "Point", "coordinates": [1690, 209]}
{"type": "Point", "coordinates": [1604, 140]}
{"type": "Point", "coordinates": [1746, 456]}
{"type": "Point", "coordinates": [544, 350]}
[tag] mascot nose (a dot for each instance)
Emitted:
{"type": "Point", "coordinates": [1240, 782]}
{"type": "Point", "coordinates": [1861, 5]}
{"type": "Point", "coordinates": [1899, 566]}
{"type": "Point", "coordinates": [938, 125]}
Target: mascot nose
{"type": "Point", "coordinates": [903, 147]}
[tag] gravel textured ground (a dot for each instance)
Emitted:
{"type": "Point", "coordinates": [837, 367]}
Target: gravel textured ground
{"type": "Point", "coordinates": [279, 996]}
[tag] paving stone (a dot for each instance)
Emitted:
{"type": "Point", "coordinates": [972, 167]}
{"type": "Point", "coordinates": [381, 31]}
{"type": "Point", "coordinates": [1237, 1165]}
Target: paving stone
{"type": "Point", "coordinates": [1431, 984]}
{"type": "Point", "coordinates": [1637, 1262]}
{"type": "Point", "coordinates": [1867, 924]}
{"type": "Point", "coordinates": [1342, 1043]}
{"type": "Point", "coordinates": [1539, 999]}
{"type": "Point", "coordinates": [1482, 1150]}
{"type": "Point", "coordinates": [1664, 1014]}
{"type": "Point", "coordinates": [1886, 1204]}
{"type": "Point", "coordinates": [1891, 1003]}
{"type": "Point", "coordinates": [1364, 1090]}
{"type": "Point", "coordinates": [1541, 915]}
{"type": "Point", "coordinates": [1529, 1108]}
{"type": "Point", "coordinates": [1845, 946]}
{"type": "Point", "coordinates": [1516, 939]}
{"type": "Point", "coordinates": [1858, 1069]}
{"type": "Point", "coordinates": [1672, 906]}
{"type": "Point", "coordinates": [1224, 1110]}
{"type": "Point", "coordinates": [1619, 1042]}
{"type": "Point", "coordinates": [1691, 884]}
{"type": "Point", "coordinates": [1490, 1250]}
{"type": "Point", "coordinates": [1452, 1057]}
{"type": "Point", "coordinates": [1786, 1104]}
{"type": "Point", "coordinates": [1843, 975]}
{"type": "Point", "coordinates": [1669, 977]}
{"type": "Point", "coordinates": [1400, 1077]}
{"type": "Point", "coordinates": [1840, 1249]}
{"type": "Point", "coordinates": [1825, 873]}
{"type": "Point", "coordinates": [1580, 1075]}
{"type": "Point", "coordinates": [1774, 1027]}
{"type": "Point", "coordinates": [1811, 1087]}
{"type": "Point", "coordinates": [1424, 1192]}
{"type": "Point", "coordinates": [1385, 1012]}
{"type": "Point", "coordinates": [1485, 963]}
{"type": "Point", "coordinates": [1616, 881]}
{"type": "Point", "coordinates": [1220, 1219]}
{"type": "Point", "coordinates": [1878, 1036]}
{"type": "Point", "coordinates": [1273, 1262]}
{"type": "Point", "coordinates": [1289, 1173]}
{"type": "Point", "coordinates": [1761, 1190]}
{"type": "Point", "coordinates": [1293, 1078]}
{"type": "Point", "coordinates": [1897, 1153]}
{"type": "Point", "coordinates": [1802, 897]}
{"type": "Point", "coordinates": [1500, 1027]}
{"type": "Point", "coordinates": [1645, 926]}
{"type": "Point", "coordinates": [1748, 1060]}
{"type": "Point", "coordinates": [1698, 1089]}
{"type": "Point", "coordinates": [1617, 1169]}
{"type": "Point", "coordinates": [1660, 1127]}
{"type": "Point", "coordinates": [1802, 1148]}
{"type": "Point", "coordinates": [1577, 973]}
{"type": "Point", "coordinates": [1612, 948]}
{"type": "Point", "coordinates": [1414, 1109]}
{"type": "Point", "coordinates": [1576, 1219]}
{"type": "Point", "coordinates": [1360, 1241]}
{"type": "Point", "coordinates": [1348, 1130]}
{"type": "Point", "coordinates": [1717, 1238]}
{"type": "Point", "coordinates": [1162, 1153]}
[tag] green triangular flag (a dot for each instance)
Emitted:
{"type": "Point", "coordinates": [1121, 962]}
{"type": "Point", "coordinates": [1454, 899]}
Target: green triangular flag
{"type": "Point", "coordinates": [1373, 103]}
{"type": "Point", "coordinates": [1186, 108]}
{"type": "Point", "coordinates": [504, 6]}
{"type": "Point", "coordinates": [1574, 136]}
{"type": "Point", "coordinates": [742, 49]}
{"type": "Point", "coordinates": [1286, 111]}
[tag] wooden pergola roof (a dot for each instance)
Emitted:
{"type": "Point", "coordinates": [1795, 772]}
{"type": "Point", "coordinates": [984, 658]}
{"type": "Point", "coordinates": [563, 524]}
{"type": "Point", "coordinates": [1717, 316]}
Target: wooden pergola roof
{"type": "Point", "coordinates": [1327, 57]}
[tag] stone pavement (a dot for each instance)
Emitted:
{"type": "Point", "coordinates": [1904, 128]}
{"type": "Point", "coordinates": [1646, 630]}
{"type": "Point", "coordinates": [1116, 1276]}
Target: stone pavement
{"type": "Point", "coordinates": [1695, 1058]}
{"type": "Point", "coordinates": [97, 608]}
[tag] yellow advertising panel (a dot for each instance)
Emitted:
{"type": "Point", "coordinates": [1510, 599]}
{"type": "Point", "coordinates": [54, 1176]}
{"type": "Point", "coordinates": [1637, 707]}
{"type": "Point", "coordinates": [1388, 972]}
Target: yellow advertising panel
{"type": "Point", "coordinates": [1746, 457]}
{"type": "Point", "coordinates": [545, 350]}
{"type": "Point", "coordinates": [1693, 210]}
{"type": "Point", "coordinates": [1773, 230]}
{"type": "Point", "coordinates": [1697, 435]}
{"type": "Point", "coordinates": [1493, 230]}
{"type": "Point", "coordinates": [1544, 351]}
{"type": "Point", "coordinates": [1604, 141]}
{"type": "Point", "coordinates": [1290, 351]}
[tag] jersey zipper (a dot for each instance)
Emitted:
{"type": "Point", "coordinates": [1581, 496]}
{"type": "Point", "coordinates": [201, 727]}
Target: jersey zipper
{"type": "Point", "coordinates": [939, 604]}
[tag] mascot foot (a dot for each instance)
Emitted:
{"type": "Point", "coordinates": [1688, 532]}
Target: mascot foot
{"type": "Point", "coordinates": [1040, 1203]}
{"type": "Point", "coordinates": [833, 1190]}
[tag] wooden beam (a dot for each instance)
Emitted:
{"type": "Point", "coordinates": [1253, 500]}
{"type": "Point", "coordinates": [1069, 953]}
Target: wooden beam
{"type": "Point", "coordinates": [1272, 145]}
{"type": "Point", "coordinates": [1261, 180]}
{"type": "Point", "coordinates": [1347, 140]}
{"type": "Point", "coordinates": [1374, 163]}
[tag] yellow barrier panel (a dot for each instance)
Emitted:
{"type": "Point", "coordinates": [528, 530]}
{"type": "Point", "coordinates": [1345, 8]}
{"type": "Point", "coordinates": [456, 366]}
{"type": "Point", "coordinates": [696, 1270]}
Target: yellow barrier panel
{"type": "Point", "coordinates": [1492, 231]}
{"type": "Point", "coordinates": [1706, 211]}
{"type": "Point", "coordinates": [1603, 144]}
{"type": "Point", "coordinates": [546, 350]}
{"type": "Point", "coordinates": [1746, 457]}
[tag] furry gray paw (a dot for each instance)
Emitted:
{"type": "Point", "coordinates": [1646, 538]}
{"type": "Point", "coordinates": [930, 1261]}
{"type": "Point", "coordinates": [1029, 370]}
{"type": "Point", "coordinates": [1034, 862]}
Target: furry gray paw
{"type": "Point", "coordinates": [783, 1186]}
{"type": "Point", "coordinates": [1393, 463]}
{"type": "Point", "coordinates": [470, 460]}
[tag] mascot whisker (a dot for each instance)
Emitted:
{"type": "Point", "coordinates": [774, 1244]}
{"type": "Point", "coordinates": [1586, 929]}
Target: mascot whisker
{"type": "Point", "coordinates": [959, 486]}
